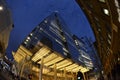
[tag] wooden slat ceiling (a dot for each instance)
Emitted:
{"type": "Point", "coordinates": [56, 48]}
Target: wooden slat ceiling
{"type": "Point", "coordinates": [49, 59]}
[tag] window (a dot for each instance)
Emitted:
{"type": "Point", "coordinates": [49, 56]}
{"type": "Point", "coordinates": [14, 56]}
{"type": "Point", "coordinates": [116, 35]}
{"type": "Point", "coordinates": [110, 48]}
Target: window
{"type": "Point", "coordinates": [108, 50]}
{"type": "Point", "coordinates": [109, 41]}
{"type": "Point", "coordinates": [102, 1]}
{"type": "Point", "coordinates": [109, 36]}
{"type": "Point", "coordinates": [106, 11]}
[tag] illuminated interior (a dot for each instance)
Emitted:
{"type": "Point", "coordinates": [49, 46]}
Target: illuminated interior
{"type": "Point", "coordinates": [49, 59]}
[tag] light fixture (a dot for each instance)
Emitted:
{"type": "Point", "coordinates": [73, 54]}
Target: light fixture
{"type": "Point", "coordinates": [28, 38]}
{"type": "Point", "coordinates": [45, 21]}
{"type": "Point", "coordinates": [1, 8]}
{"type": "Point", "coordinates": [65, 50]}
{"type": "Point", "coordinates": [106, 11]}
{"type": "Point", "coordinates": [25, 42]}
{"type": "Point", "coordinates": [76, 42]}
{"type": "Point", "coordinates": [31, 34]}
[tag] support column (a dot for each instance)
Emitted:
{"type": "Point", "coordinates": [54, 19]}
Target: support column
{"type": "Point", "coordinates": [22, 70]}
{"type": "Point", "coordinates": [72, 75]}
{"type": "Point", "coordinates": [41, 69]}
{"type": "Point", "coordinates": [84, 76]}
{"type": "Point", "coordinates": [65, 76]}
{"type": "Point", "coordinates": [55, 72]}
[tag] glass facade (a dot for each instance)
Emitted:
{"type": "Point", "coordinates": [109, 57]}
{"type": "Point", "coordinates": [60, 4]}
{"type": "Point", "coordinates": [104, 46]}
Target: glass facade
{"type": "Point", "coordinates": [53, 32]}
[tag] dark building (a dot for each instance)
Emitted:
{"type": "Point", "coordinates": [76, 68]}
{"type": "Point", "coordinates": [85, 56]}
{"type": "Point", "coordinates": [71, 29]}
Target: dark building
{"type": "Point", "coordinates": [104, 18]}
{"type": "Point", "coordinates": [5, 26]}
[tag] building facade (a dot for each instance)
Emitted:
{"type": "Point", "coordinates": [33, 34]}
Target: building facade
{"type": "Point", "coordinates": [52, 36]}
{"type": "Point", "coordinates": [104, 18]}
{"type": "Point", "coordinates": [5, 26]}
{"type": "Point", "coordinates": [54, 33]}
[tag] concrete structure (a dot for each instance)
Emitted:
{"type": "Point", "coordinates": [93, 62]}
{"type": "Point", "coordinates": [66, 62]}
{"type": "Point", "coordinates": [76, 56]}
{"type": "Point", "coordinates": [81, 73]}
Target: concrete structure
{"type": "Point", "coordinates": [104, 18]}
{"type": "Point", "coordinates": [5, 26]}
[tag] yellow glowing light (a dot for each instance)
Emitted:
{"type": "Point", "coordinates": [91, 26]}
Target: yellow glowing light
{"type": "Point", "coordinates": [25, 50]}
{"type": "Point", "coordinates": [62, 64]}
{"type": "Point", "coordinates": [41, 53]}
{"type": "Point", "coordinates": [49, 58]}
{"type": "Point", "coordinates": [36, 69]}
{"type": "Point", "coordinates": [71, 67]}
{"type": "Point", "coordinates": [77, 69]}
{"type": "Point", "coordinates": [53, 61]}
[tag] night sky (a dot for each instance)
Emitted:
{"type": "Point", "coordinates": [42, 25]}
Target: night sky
{"type": "Point", "coordinates": [27, 14]}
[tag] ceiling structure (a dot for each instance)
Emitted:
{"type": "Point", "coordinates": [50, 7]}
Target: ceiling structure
{"type": "Point", "coordinates": [50, 58]}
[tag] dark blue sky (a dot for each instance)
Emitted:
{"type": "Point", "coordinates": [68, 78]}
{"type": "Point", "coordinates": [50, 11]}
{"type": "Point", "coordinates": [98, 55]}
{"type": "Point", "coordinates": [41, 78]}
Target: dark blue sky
{"type": "Point", "coordinates": [27, 14]}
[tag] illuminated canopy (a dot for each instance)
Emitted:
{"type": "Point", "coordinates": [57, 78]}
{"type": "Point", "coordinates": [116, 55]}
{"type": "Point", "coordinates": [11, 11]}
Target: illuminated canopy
{"type": "Point", "coordinates": [49, 59]}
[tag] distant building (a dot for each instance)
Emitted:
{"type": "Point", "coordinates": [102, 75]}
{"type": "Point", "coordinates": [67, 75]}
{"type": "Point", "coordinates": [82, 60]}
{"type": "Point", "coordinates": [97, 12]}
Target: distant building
{"type": "Point", "coordinates": [5, 26]}
{"type": "Point", "coordinates": [105, 22]}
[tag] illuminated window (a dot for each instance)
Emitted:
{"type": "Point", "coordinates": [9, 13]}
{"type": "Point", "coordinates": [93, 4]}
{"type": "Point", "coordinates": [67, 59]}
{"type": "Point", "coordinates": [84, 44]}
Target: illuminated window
{"type": "Point", "coordinates": [102, 1]}
{"type": "Point", "coordinates": [31, 34]}
{"type": "Point", "coordinates": [28, 38]}
{"type": "Point", "coordinates": [118, 59]}
{"type": "Point", "coordinates": [25, 42]}
{"type": "Point", "coordinates": [106, 11]}
{"type": "Point", "coordinates": [109, 36]}
{"type": "Point", "coordinates": [109, 41]}
{"type": "Point", "coordinates": [45, 21]}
